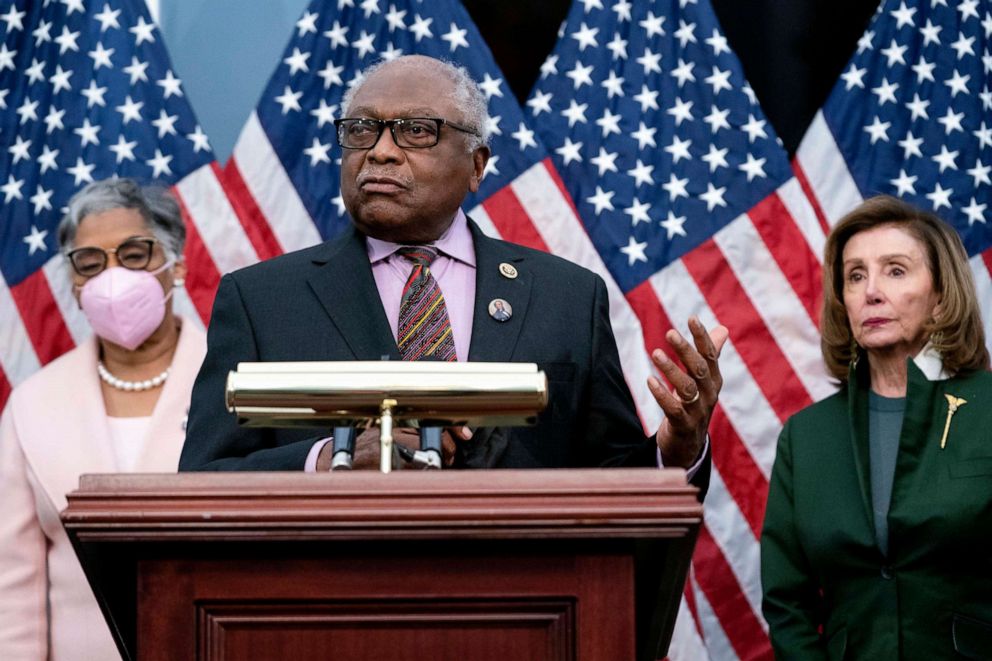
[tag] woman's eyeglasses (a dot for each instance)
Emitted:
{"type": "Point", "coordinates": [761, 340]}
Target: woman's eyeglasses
{"type": "Point", "coordinates": [134, 254]}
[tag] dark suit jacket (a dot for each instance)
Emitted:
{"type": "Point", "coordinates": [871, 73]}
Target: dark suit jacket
{"type": "Point", "coordinates": [931, 597]}
{"type": "Point", "coordinates": [322, 304]}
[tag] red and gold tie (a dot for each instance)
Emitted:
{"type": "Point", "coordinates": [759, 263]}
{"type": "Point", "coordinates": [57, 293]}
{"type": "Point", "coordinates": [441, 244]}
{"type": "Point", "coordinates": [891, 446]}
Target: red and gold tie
{"type": "Point", "coordinates": [424, 330]}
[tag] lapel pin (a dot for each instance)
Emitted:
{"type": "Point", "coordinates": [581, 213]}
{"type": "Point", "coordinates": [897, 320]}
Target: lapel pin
{"type": "Point", "coordinates": [508, 270]}
{"type": "Point", "coordinates": [953, 404]}
{"type": "Point", "coordinates": [500, 310]}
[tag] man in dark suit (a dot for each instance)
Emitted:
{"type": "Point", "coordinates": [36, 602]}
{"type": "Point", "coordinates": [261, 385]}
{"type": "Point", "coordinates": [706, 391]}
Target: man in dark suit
{"type": "Point", "coordinates": [414, 145]}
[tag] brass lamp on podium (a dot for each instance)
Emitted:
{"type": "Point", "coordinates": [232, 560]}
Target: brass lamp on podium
{"type": "Point", "coordinates": [428, 395]}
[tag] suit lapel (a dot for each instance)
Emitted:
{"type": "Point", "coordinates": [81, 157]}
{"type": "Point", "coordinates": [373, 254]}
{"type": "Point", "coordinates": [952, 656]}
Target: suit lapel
{"type": "Point", "coordinates": [494, 341]}
{"type": "Point", "coordinates": [858, 387]}
{"type": "Point", "coordinates": [342, 281]}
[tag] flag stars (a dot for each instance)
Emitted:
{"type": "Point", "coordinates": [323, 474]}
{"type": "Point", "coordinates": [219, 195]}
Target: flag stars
{"type": "Point", "coordinates": [984, 135]}
{"type": "Point", "coordinates": [642, 174]}
{"type": "Point", "coordinates": [719, 80]}
{"type": "Point", "coordinates": [19, 150]}
{"type": "Point", "coordinates": [683, 73]}
{"type": "Point", "coordinates": [717, 119]}
{"type": "Point", "coordinates": [634, 250]}
{"type": "Point", "coordinates": [67, 40]}
{"type": "Point", "coordinates": [72, 6]}
{"type": "Point", "coordinates": [53, 120]}
{"type": "Point", "coordinates": [576, 112]}
{"type": "Point", "coordinates": [130, 110]}
{"type": "Point", "coordinates": [753, 167]}
{"type": "Point", "coordinates": [199, 140]}
{"type": "Point", "coordinates": [650, 61]}
{"type": "Point", "coordinates": [951, 121]}
{"type": "Point", "coordinates": [36, 239]}
{"type": "Point", "coordinates": [28, 111]}
{"type": "Point", "coordinates": [165, 124]}
{"type": "Point", "coordinates": [394, 17]}
{"type": "Point", "coordinates": [653, 25]}
{"type": "Point", "coordinates": [540, 102]}
{"type": "Point", "coordinates": [968, 9]}
{"type": "Point", "coordinates": [918, 108]}
{"type": "Point", "coordinates": [894, 53]}
{"type": "Point", "coordinates": [491, 86]}
{"type": "Point", "coordinates": [904, 183]}
{"type": "Point", "coordinates": [622, 9]}
{"type": "Point", "coordinates": [492, 125]}
{"type": "Point", "coordinates": [87, 133]}
{"type": "Point", "coordinates": [421, 28]}
{"type": "Point", "coordinates": [323, 113]}
{"type": "Point", "coordinates": [171, 86]}
{"type": "Point", "coordinates": [602, 200]}
{"type": "Point", "coordinates": [618, 47]}
{"type": "Point", "coordinates": [638, 212]}
{"type": "Point", "coordinates": [370, 7]}
{"type": "Point", "coordinates": [3, 99]}
{"type": "Point", "coordinates": [549, 67]}
{"type": "Point", "coordinates": [903, 15]}
{"type": "Point", "coordinates": [36, 71]}
{"type": "Point", "coordinates": [980, 173]}
{"type": "Point", "coordinates": [390, 53]}
{"type": "Point", "coordinates": [648, 99]}
{"type": "Point", "coordinates": [718, 43]}
{"type": "Point", "coordinates": [686, 33]}
{"type": "Point", "coordinates": [48, 159]}
{"type": "Point", "coordinates": [337, 35]}
{"type": "Point", "coordinates": [42, 201]}
{"type": "Point", "coordinates": [160, 164]}
{"type": "Point", "coordinates": [108, 18]}
{"type": "Point", "coordinates": [524, 136]}
{"type": "Point", "coordinates": [674, 225]}
{"type": "Point", "coordinates": [81, 172]}
{"type": "Point", "coordinates": [364, 44]}
{"type": "Point", "coordinates": [605, 161]}
{"type": "Point", "coordinates": [609, 123]}
{"type": "Point", "coordinates": [910, 145]}
{"type": "Point", "coordinates": [580, 75]}
{"type": "Point", "coordinates": [864, 43]}
{"type": "Point", "coordinates": [957, 83]}
{"type": "Point", "coordinates": [42, 33]}
{"type": "Point", "coordinates": [289, 100]}
{"type": "Point", "coordinates": [715, 158]}
{"type": "Point", "coordinates": [297, 62]}
{"type": "Point", "coordinates": [589, 5]}
{"type": "Point", "coordinates": [644, 135]}
{"type": "Point", "coordinates": [317, 151]}
{"type": "Point", "coordinates": [930, 33]}
{"type": "Point", "coordinates": [137, 70]}
{"type": "Point", "coordinates": [613, 85]}
{"type": "Point", "coordinates": [570, 151]}
{"type": "Point", "coordinates": [679, 149]}
{"type": "Point", "coordinates": [878, 130]}
{"type": "Point", "coordinates": [124, 149]}
{"type": "Point", "coordinates": [585, 36]}
{"type": "Point", "coordinates": [142, 31]}
{"type": "Point", "coordinates": [886, 92]}
{"type": "Point", "coordinates": [680, 110]}
{"type": "Point", "coordinates": [12, 189]}
{"type": "Point", "coordinates": [13, 19]}
{"type": "Point", "coordinates": [945, 159]}
{"type": "Point", "coordinates": [6, 57]}
{"type": "Point", "coordinates": [306, 24]}
{"type": "Point", "coordinates": [713, 197]}
{"type": "Point", "coordinates": [755, 128]}
{"type": "Point", "coordinates": [101, 56]}
{"type": "Point", "coordinates": [924, 70]}
{"type": "Point", "coordinates": [975, 212]}
{"type": "Point", "coordinates": [940, 197]}
{"type": "Point", "coordinates": [331, 74]}
{"type": "Point", "coordinates": [676, 187]}
{"type": "Point", "coordinates": [456, 37]}
{"type": "Point", "coordinates": [94, 95]}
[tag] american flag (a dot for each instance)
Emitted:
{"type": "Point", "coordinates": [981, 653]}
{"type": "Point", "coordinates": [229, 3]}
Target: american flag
{"type": "Point", "coordinates": [87, 92]}
{"type": "Point", "coordinates": [912, 116]}
{"type": "Point", "coordinates": [689, 200]}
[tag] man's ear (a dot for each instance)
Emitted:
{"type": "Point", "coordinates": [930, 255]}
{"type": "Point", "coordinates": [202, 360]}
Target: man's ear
{"type": "Point", "coordinates": [479, 159]}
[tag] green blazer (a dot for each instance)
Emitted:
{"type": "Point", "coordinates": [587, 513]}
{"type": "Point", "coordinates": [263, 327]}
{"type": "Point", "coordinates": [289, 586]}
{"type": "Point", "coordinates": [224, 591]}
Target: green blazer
{"type": "Point", "coordinates": [829, 593]}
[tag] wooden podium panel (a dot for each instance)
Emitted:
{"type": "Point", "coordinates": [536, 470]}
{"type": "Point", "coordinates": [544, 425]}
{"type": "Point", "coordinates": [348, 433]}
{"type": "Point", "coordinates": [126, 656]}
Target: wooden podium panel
{"type": "Point", "coordinates": [474, 565]}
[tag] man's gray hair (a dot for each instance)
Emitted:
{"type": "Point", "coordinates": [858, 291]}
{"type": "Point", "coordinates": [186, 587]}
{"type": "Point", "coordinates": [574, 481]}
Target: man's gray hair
{"type": "Point", "coordinates": [155, 204]}
{"type": "Point", "coordinates": [467, 95]}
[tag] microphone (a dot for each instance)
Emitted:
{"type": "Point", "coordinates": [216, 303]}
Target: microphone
{"type": "Point", "coordinates": [343, 449]}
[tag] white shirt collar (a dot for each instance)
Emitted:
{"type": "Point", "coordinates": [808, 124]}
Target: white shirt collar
{"type": "Point", "coordinates": [931, 364]}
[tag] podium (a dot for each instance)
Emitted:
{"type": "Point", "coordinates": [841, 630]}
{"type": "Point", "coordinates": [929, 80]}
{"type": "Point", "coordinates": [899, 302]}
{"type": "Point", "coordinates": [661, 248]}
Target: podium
{"type": "Point", "coordinates": [468, 565]}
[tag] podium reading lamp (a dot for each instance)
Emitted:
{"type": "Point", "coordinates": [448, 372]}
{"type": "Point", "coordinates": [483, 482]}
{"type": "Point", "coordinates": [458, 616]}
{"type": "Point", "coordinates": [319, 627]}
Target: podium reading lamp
{"type": "Point", "coordinates": [427, 395]}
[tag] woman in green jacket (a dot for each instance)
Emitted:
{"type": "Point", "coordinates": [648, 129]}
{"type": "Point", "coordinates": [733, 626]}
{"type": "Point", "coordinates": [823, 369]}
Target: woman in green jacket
{"type": "Point", "coordinates": [877, 541]}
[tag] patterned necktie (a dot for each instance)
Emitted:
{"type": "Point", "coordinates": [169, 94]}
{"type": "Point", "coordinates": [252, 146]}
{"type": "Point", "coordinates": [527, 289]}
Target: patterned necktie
{"type": "Point", "coordinates": [424, 330]}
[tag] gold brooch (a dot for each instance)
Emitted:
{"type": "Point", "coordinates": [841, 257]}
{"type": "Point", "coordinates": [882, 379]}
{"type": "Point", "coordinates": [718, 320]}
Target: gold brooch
{"type": "Point", "coordinates": [953, 404]}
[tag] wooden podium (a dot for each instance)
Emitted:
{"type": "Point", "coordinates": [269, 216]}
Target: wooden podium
{"type": "Point", "coordinates": [466, 565]}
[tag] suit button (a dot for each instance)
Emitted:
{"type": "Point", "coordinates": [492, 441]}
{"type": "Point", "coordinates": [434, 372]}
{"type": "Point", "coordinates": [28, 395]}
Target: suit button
{"type": "Point", "coordinates": [887, 572]}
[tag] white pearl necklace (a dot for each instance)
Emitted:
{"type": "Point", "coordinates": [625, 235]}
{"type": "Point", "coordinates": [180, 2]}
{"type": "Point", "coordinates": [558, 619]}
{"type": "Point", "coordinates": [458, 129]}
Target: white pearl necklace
{"type": "Point", "coordinates": [130, 386]}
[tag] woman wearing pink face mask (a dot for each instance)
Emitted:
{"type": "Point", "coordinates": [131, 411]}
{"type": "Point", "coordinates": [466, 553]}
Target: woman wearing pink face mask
{"type": "Point", "coordinates": [116, 403]}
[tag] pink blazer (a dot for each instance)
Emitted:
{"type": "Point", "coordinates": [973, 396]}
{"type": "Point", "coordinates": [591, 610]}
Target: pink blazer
{"type": "Point", "coordinates": [54, 429]}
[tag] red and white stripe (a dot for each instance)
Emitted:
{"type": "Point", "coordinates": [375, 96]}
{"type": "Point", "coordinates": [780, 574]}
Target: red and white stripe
{"type": "Point", "coordinates": [759, 276]}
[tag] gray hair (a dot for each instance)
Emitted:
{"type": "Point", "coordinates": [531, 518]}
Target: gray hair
{"type": "Point", "coordinates": [155, 204]}
{"type": "Point", "coordinates": [467, 96]}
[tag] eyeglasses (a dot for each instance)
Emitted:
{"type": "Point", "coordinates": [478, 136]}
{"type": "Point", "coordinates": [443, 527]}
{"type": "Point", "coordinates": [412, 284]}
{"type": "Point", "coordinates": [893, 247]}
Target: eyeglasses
{"type": "Point", "coordinates": [408, 132]}
{"type": "Point", "coordinates": [134, 254]}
